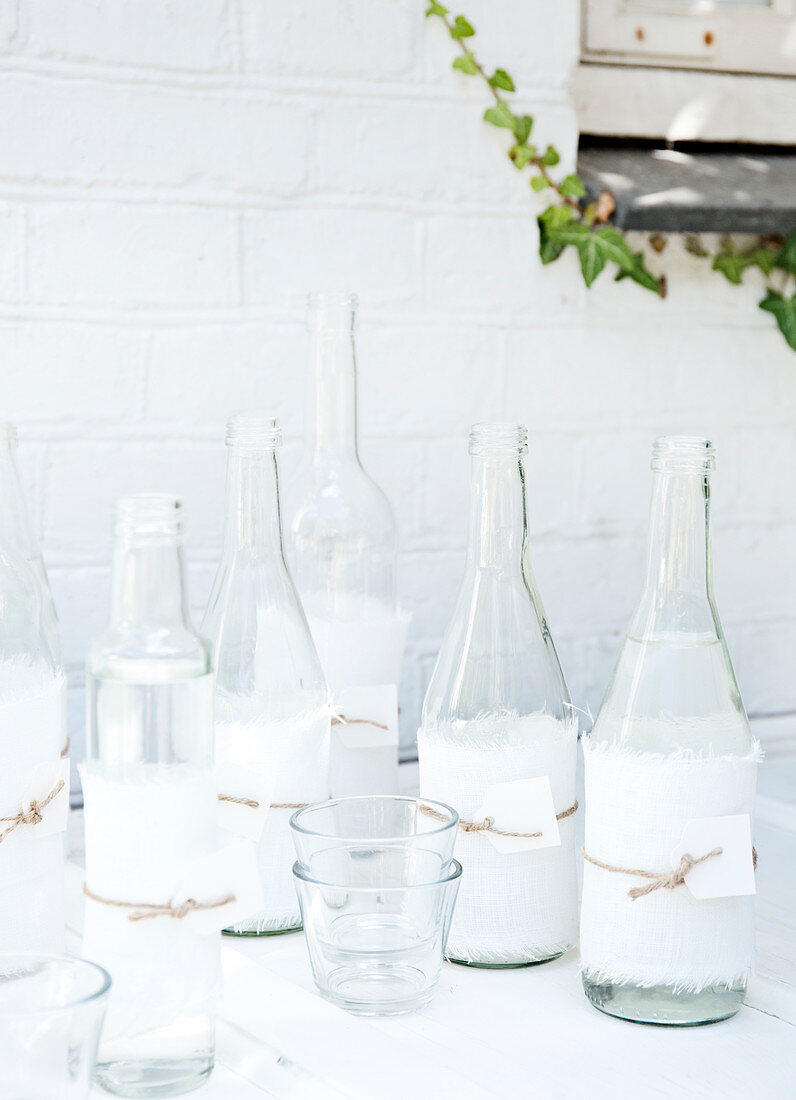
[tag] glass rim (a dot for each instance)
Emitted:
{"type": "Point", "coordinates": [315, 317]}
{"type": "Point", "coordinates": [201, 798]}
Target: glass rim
{"type": "Point", "coordinates": [683, 453]}
{"type": "Point", "coordinates": [453, 873]}
{"type": "Point", "coordinates": [252, 430]}
{"type": "Point", "coordinates": [433, 803]}
{"type": "Point", "coordinates": [149, 516]}
{"type": "Point", "coordinates": [74, 961]}
{"type": "Point", "coordinates": [496, 438]}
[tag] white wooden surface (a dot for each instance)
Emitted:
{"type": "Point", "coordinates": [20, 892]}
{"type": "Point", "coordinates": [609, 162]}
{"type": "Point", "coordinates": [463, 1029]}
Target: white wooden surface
{"type": "Point", "coordinates": [505, 1034]}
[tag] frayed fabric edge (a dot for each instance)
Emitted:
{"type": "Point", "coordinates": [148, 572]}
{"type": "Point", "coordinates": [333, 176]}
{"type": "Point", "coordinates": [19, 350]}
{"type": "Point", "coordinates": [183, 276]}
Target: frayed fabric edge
{"type": "Point", "coordinates": [681, 756]}
{"type": "Point", "coordinates": [677, 985]}
{"type": "Point", "coordinates": [519, 956]}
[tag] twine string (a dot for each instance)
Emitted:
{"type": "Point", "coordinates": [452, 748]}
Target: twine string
{"type": "Point", "coordinates": [65, 749]}
{"type": "Point", "coordinates": [342, 720]}
{"type": "Point", "coordinates": [31, 816]}
{"type": "Point", "coordinates": [659, 880]}
{"type": "Point", "coordinates": [145, 910]}
{"type": "Point", "coordinates": [488, 824]}
{"type": "Point", "coordinates": [253, 804]}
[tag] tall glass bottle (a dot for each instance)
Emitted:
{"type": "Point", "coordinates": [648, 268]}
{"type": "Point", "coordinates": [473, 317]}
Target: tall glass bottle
{"type": "Point", "coordinates": [272, 708]}
{"type": "Point", "coordinates": [150, 810]}
{"type": "Point", "coordinates": [671, 744]}
{"type": "Point", "coordinates": [342, 550]}
{"type": "Point", "coordinates": [498, 710]}
{"type": "Point", "coordinates": [32, 725]}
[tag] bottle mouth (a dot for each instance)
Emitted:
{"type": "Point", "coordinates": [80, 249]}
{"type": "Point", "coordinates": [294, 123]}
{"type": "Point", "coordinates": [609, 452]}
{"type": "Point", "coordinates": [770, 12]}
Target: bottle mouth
{"type": "Point", "coordinates": [498, 439]}
{"type": "Point", "coordinates": [150, 517]}
{"type": "Point", "coordinates": [687, 453]}
{"type": "Point", "coordinates": [257, 432]}
{"type": "Point", "coordinates": [331, 311]}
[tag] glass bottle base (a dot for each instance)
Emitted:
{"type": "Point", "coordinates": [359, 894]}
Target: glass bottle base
{"type": "Point", "coordinates": [160, 1077]}
{"type": "Point", "coordinates": [518, 965]}
{"type": "Point", "coordinates": [661, 1005]}
{"type": "Point", "coordinates": [234, 931]}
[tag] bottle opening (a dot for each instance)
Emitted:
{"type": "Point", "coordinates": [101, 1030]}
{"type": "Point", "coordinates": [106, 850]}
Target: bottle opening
{"type": "Point", "coordinates": [685, 453]}
{"type": "Point", "coordinates": [254, 431]}
{"type": "Point", "coordinates": [498, 439]}
{"type": "Point", "coordinates": [332, 311]}
{"type": "Point", "coordinates": [150, 516]}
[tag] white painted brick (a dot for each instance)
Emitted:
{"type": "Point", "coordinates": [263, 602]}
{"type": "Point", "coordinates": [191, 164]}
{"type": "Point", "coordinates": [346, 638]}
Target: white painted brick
{"type": "Point", "coordinates": [374, 39]}
{"type": "Point", "coordinates": [82, 599]}
{"type": "Point", "coordinates": [85, 479]}
{"type": "Point", "coordinates": [285, 255]}
{"type": "Point", "coordinates": [171, 137]}
{"type": "Point", "coordinates": [180, 34]}
{"type": "Point", "coordinates": [10, 252]}
{"type": "Point", "coordinates": [755, 464]}
{"type": "Point", "coordinates": [762, 655]}
{"type": "Point", "coordinates": [427, 379]}
{"type": "Point", "coordinates": [8, 25]}
{"type": "Point", "coordinates": [398, 469]}
{"type": "Point", "coordinates": [617, 482]}
{"type": "Point", "coordinates": [40, 362]}
{"type": "Point", "coordinates": [203, 374]}
{"type": "Point", "coordinates": [489, 263]}
{"type": "Point", "coordinates": [755, 578]}
{"type": "Point", "coordinates": [117, 255]}
{"type": "Point", "coordinates": [427, 585]}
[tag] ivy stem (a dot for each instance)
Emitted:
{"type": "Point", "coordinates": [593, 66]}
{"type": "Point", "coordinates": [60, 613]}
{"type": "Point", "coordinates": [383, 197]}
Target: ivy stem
{"type": "Point", "coordinates": [535, 161]}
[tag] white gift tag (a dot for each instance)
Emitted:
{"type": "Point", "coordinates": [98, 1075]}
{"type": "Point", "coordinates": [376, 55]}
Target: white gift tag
{"type": "Point", "coordinates": [243, 819]}
{"type": "Point", "coordinates": [54, 815]}
{"type": "Point", "coordinates": [229, 872]}
{"type": "Point", "coordinates": [521, 806]}
{"type": "Point", "coordinates": [367, 717]}
{"type": "Point", "coordinates": [729, 875]}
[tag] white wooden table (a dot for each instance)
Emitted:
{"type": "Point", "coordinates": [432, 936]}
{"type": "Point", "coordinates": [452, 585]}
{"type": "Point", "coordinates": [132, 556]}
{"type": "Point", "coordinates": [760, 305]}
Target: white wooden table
{"type": "Point", "coordinates": [513, 1033]}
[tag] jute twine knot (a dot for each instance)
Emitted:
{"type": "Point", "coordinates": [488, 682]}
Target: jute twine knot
{"type": "Point", "coordinates": [144, 910]}
{"type": "Point", "coordinates": [659, 880]}
{"type": "Point", "coordinates": [488, 823]}
{"type": "Point", "coordinates": [253, 804]}
{"type": "Point", "coordinates": [31, 816]}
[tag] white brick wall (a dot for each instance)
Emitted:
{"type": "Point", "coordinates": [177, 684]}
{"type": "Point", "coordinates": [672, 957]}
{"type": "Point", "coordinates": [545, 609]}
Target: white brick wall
{"type": "Point", "coordinates": [175, 176]}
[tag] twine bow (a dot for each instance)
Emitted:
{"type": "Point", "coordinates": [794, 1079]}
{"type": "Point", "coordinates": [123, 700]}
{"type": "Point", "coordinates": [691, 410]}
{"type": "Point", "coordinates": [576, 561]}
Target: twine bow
{"type": "Point", "coordinates": [31, 816]}
{"type": "Point", "coordinates": [659, 880]}
{"type": "Point", "coordinates": [144, 910]}
{"type": "Point", "coordinates": [488, 824]}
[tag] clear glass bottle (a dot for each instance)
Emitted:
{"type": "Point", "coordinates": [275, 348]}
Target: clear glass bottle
{"type": "Point", "coordinates": [672, 701]}
{"type": "Point", "coordinates": [272, 705]}
{"type": "Point", "coordinates": [32, 723]}
{"type": "Point", "coordinates": [498, 709]}
{"type": "Point", "coordinates": [150, 809]}
{"type": "Point", "coordinates": [342, 546]}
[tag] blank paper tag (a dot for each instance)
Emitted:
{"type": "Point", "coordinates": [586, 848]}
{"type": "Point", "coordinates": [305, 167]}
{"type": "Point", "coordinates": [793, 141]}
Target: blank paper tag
{"type": "Point", "coordinates": [729, 875]}
{"type": "Point", "coordinates": [521, 806]}
{"type": "Point", "coordinates": [55, 814]}
{"type": "Point", "coordinates": [229, 871]}
{"type": "Point", "coordinates": [368, 716]}
{"type": "Point", "coordinates": [237, 818]}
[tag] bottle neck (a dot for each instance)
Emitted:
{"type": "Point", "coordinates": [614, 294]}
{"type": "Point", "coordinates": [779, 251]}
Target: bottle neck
{"type": "Point", "coordinates": [498, 514]}
{"type": "Point", "coordinates": [678, 591]}
{"type": "Point", "coordinates": [253, 512]}
{"type": "Point", "coordinates": [332, 391]}
{"type": "Point", "coordinates": [148, 584]}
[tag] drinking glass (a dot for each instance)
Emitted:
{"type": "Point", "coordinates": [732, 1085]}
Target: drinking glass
{"type": "Point", "coordinates": [51, 1013]}
{"type": "Point", "coordinates": [384, 822]}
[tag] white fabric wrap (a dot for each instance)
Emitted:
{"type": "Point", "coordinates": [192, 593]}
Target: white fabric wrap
{"type": "Point", "coordinates": [520, 907]}
{"type": "Point", "coordinates": [141, 835]}
{"type": "Point", "coordinates": [296, 757]}
{"type": "Point", "coordinates": [637, 805]}
{"type": "Point", "coordinates": [32, 732]}
{"type": "Point", "coordinates": [365, 650]}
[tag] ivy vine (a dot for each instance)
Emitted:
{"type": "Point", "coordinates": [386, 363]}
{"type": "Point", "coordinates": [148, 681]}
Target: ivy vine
{"type": "Point", "coordinates": [571, 222]}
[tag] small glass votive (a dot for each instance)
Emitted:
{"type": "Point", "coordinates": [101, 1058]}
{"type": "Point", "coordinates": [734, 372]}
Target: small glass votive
{"type": "Point", "coordinates": [383, 821]}
{"type": "Point", "coordinates": [376, 922]}
{"type": "Point", "coordinates": [51, 1013]}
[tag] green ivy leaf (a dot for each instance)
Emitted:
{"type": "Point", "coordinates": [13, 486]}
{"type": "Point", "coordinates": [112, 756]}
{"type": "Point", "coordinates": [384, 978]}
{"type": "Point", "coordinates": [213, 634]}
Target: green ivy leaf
{"type": "Point", "coordinates": [521, 154]}
{"type": "Point", "coordinates": [501, 79]}
{"type": "Point", "coordinates": [787, 257]}
{"type": "Point", "coordinates": [550, 158]}
{"type": "Point", "coordinates": [765, 259]}
{"type": "Point", "coordinates": [500, 115]}
{"type": "Point", "coordinates": [592, 257]}
{"type": "Point", "coordinates": [522, 128]}
{"type": "Point", "coordinates": [466, 63]}
{"type": "Point", "coordinates": [590, 213]}
{"type": "Point", "coordinates": [639, 274]}
{"type": "Point", "coordinates": [461, 28]}
{"type": "Point", "coordinates": [550, 223]}
{"type": "Point", "coordinates": [731, 265]}
{"type": "Point", "coordinates": [614, 246]}
{"type": "Point", "coordinates": [436, 9]}
{"type": "Point", "coordinates": [538, 183]}
{"type": "Point", "coordinates": [572, 187]}
{"type": "Point", "coordinates": [784, 310]}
